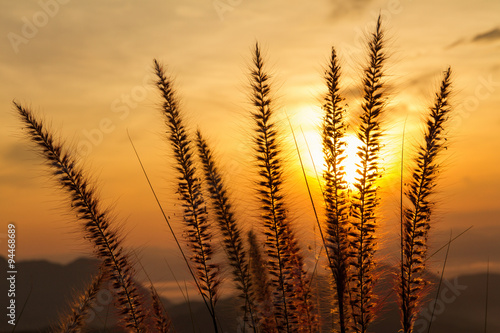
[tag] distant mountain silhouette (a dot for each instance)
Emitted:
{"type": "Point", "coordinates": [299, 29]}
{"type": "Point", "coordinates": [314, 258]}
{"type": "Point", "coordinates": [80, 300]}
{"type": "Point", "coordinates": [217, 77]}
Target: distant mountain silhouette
{"type": "Point", "coordinates": [49, 287]}
{"type": "Point", "coordinates": [459, 309]}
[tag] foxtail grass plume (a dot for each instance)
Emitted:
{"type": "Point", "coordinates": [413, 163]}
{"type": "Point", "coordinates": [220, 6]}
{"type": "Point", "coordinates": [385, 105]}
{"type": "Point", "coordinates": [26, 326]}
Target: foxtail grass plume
{"type": "Point", "coordinates": [335, 190]}
{"type": "Point", "coordinates": [75, 321]}
{"type": "Point", "coordinates": [260, 276]}
{"type": "Point", "coordinates": [95, 221]}
{"type": "Point", "coordinates": [285, 264]}
{"type": "Point", "coordinates": [198, 232]}
{"type": "Point", "coordinates": [365, 200]}
{"type": "Point", "coordinates": [162, 323]}
{"type": "Point", "coordinates": [416, 216]}
{"type": "Point", "coordinates": [231, 232]}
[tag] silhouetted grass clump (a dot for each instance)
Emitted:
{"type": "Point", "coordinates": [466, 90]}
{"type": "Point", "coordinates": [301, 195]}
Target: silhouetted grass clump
{"type": "Point", "coordinates": [267, 266]}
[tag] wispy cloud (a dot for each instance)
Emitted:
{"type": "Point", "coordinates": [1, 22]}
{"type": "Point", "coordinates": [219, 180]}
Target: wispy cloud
{"type": "Point", "coordinates": [17, 153]}
{"type": "Point", "coordinates": [490, 35]}
{"type": "Point", "coordinates": [346, 8]}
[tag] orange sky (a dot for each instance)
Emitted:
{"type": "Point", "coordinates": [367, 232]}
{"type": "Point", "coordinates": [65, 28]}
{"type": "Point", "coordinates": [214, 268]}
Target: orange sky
{"type": "Point", "coordinates": [87, 67]}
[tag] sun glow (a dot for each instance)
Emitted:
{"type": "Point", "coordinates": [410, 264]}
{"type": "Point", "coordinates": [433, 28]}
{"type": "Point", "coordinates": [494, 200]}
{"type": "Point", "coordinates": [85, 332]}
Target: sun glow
{"type": "Point", "coordinates": [315, 152]}
{"type": "Point", "coordinates": [352, 158]}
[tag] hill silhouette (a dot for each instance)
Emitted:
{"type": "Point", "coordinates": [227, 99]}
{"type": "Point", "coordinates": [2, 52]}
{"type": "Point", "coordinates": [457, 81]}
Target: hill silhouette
{"type": "Point", "coordinates": [48, 287]}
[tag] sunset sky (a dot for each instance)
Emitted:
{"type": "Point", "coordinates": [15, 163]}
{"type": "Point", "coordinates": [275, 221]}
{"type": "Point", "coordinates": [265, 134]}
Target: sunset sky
{"type": "Point", "coordinates": [86, 66]}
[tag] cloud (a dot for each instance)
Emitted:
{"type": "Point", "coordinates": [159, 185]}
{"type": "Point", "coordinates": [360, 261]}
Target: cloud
{"type": "Point", "coordinates": [456, 43]}
{"type": "Point", "coordinates": [488, 36]}
{"type": "Point", "coordinates": [19, 153]}
{"type": "Point", "coordinates": [345, 8]}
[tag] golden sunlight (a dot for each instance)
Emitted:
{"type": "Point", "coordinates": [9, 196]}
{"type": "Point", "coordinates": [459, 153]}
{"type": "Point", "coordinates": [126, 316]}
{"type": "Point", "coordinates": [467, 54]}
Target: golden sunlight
{"type": "Point", "coordinates": [314, 151]}
{"type": "Point", "coordinates": [352, 158]}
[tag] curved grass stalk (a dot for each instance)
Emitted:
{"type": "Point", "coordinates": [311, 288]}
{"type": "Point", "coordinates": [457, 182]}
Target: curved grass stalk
{"type": "Point", "coordinates": [309, 321]}
{"type": "Point", "coordinates": [95, 221]}
{"type": "Point", "coordinates": [164, 215]}
{"type": "Point", "coordinates": [439, 284]}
